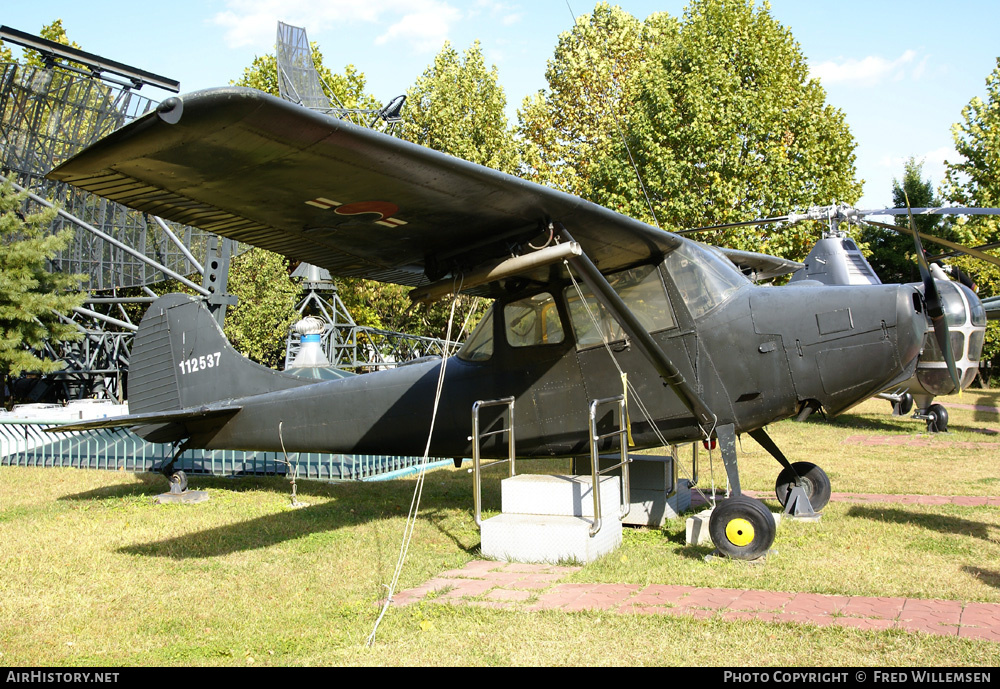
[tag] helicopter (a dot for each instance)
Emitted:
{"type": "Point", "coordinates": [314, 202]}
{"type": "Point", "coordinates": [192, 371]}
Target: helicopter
{"type": "Point", "coordinates": [836, 259]}
{"type": "Point", "coordinates": [582, 295]}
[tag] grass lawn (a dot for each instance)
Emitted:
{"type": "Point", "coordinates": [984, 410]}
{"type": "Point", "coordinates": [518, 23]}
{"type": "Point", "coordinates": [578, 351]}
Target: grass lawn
{"type": "Point", "coordinates": [92, 572]}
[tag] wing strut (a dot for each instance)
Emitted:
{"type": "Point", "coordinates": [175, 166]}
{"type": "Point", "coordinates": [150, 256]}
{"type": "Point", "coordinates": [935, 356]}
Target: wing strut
{"type": "Point", "coordinates": [605, 294]}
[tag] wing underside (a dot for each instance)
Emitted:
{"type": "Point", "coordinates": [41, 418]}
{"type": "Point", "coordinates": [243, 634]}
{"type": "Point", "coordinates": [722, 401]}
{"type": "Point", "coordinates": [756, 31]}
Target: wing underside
{"type": "Point", "coordinates": [245, 165]}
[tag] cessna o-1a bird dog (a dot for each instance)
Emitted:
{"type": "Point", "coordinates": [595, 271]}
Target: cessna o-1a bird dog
{"type": "Point", "coordinates": [707, 353]}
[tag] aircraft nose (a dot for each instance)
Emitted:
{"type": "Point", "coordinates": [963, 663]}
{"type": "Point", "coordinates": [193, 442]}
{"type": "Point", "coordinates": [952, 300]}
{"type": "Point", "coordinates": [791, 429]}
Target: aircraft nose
{"type": "Point", "coordinates": [911, 324]}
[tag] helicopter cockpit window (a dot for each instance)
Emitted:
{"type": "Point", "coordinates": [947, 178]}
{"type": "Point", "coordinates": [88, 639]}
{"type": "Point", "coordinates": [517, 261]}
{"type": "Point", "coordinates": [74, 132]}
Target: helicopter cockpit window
{"type": "Point", "coordinates": [479, 346]}
{"type": "Point", "coordinates": [533, 321]}
{"type": "Point", "coordinates": [642, 291]}
{"type": "Point", "coordinates": [704, 279]}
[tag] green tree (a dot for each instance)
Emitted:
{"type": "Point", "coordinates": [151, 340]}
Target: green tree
{"type": "Point", "coordinates": [727, 126]}
{"type": "Point", "coordinates": [258, 326]}
{"type": "Point", "coordinates": [891, 253]}
{"type": "Point", "coordinates": [975, 181]}
{"type": "Point", "coordinates": [347, 88]}
{"type": "Point", "coordinates": [33, 297]}
{"type": "Point", "coordinates": [573, 122]}
{"type": "Point", "coordinates": [457, 107]}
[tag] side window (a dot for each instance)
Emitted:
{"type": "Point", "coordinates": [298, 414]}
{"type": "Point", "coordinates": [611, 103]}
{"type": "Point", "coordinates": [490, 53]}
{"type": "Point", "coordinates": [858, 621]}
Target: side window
{"type": "Point", "coordinates": [533, 321]}
{"type": "Point", "coordinates": [642, 291]}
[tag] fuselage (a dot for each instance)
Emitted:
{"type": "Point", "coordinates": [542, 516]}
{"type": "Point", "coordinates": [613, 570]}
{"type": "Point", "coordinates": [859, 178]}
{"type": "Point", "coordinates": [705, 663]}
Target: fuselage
{"type": "Point", "coordinates": [754, 355]}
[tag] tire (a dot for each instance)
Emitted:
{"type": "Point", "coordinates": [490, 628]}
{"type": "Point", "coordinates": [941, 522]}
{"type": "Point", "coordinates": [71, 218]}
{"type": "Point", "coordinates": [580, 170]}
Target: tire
{"type": "Point", "coordinates": [742, 528]}
{"type": "Point", "coordinates": [816, 484]}
{"type": "Point", "coordinates": [179, 478]}
{"type": "Point", "coordinates": [938, 423]}
{"type": "Point", "coordinates": [904, 406]}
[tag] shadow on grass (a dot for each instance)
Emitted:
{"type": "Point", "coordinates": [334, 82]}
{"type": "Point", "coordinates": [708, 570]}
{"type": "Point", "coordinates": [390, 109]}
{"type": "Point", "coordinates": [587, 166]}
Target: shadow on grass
{"type": "Point", "coordinates": [936, 522]}
{"type": "Point", "coordinates": [905, 426]}
{"type": "Point", "coordinates": [987, 576]}
{"type": "Point", "coordinates": [346, 505]}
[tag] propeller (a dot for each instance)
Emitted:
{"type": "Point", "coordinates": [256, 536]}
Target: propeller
{"type": "Point", "coordinates": [934, 304]}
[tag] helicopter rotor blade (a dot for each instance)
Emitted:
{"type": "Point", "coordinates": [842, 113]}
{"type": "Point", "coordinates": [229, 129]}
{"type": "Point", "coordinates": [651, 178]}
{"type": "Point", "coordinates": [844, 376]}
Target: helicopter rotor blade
{"type": "Point", "coordinates": [981, 255]}
{"type": "Point", "coordinates": [939, 210]}
{"type": "Point", "coordinates": [935, 306]}
{"type": "Point", "coordinates": [759, 221]}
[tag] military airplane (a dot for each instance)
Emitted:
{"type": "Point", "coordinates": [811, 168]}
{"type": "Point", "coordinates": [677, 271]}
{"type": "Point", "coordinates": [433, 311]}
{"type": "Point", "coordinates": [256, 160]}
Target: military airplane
{"type": "Point", "coordinates": [579, 293]}
{"type": "Point", "coordinates": [835, 259]}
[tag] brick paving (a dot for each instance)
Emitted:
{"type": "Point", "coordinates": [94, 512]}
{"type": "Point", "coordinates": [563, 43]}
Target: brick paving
{"type": "Point", "coordinates": [509, 585]}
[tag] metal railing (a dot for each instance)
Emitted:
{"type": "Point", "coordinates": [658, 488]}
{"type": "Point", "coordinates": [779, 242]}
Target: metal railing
{"type": "Point", "coordinates": [476, 438]}
{"type": "Point", "coordinates": [625, 496]}
{"type": "Point", "coordinates": [26, 443]}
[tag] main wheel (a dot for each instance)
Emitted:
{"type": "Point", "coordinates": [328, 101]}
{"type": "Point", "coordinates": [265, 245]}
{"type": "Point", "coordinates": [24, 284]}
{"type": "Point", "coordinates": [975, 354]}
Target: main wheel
{"type": "Point", "coordinates": [904, 406]}
{"type": "Point", "coordinates": [815, 483]}
{"type": "Point", "coordinates": [938, 423]}
{"type": "Point", "coordinates": [742, 528]}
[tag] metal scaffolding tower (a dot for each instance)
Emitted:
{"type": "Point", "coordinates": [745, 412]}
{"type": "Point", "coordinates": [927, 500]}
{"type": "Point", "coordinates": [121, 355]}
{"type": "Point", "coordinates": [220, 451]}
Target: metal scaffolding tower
{"type": "Point", "coordinates": [50, 111]}
{"type": "Point", "coordinates": [47, 113]}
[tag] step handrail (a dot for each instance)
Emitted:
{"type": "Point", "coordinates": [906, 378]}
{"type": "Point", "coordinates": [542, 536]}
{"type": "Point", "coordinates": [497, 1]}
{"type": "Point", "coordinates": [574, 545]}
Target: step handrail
{"type": "Point", "coordinates": [476, 438]}
{"type": "Point", "coordinates": [625, 496]}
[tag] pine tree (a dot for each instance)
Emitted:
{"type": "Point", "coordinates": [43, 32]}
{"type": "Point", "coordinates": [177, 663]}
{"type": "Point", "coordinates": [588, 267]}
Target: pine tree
{"type": "Point", "coordinates": [33, 296]}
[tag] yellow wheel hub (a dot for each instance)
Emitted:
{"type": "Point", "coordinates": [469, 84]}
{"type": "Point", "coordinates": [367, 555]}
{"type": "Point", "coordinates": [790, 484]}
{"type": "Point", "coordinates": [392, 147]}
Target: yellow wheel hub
{"type": "Point", "coordinates": [739, 532]}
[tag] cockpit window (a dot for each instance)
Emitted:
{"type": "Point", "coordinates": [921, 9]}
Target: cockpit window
{"type": "Point", "coordinates": [704, 278]}
{"type": "Point", "coordinates": [533, 321]}
{"type": "Point", "coordinates": [642, 291]}
{"type": "Point", "coordinates": [479, 346]}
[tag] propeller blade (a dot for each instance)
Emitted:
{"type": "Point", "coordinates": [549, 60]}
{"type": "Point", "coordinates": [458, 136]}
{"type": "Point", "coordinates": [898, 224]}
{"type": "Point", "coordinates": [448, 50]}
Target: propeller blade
{"type": "Point", "coordinates": [935, 307]}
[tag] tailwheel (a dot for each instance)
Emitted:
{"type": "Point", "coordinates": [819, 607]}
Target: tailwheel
{"type": "Point", "coordinates": [742, 528]}
{"type": "Point", "coordinates": [178, 482]}
{"type": "Point", "coordinates": [937, 419]}
{"type": "Point", "coordinates": [815, 484]}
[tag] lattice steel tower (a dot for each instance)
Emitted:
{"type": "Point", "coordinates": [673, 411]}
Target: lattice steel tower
{"type": "Point", "coordinates": [48, 113]}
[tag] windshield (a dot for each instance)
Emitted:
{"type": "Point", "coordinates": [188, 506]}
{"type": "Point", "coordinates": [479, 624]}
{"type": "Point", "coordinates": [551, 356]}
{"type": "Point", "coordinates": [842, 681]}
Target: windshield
{"type": "Point", "coordinates": [704, 278]}
{"type": "Point", "coordinates": [479, 346]}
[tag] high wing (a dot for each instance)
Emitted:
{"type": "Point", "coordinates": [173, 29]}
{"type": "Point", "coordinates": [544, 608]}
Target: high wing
{"type": "Point", "coordinates": [260, 170]}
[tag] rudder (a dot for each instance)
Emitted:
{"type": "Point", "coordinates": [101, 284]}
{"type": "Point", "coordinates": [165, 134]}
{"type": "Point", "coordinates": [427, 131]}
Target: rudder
{"type": "Point", "coordinates": [181, 359]}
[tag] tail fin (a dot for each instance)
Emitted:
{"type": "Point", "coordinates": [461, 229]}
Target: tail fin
{"type": "Point", "coordinates": [182, 360]}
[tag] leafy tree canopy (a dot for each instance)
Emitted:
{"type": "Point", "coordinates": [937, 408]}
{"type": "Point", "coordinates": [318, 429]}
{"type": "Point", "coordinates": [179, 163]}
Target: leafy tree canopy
{"type": "Point", "coordinates": [258, 326]}
{"type": "Point", "coordinates": [892, 253]}
{"type": "Point", "coordinates": [975, 181]}
{"type": "Point", "coordinates": [576, 120]}
{"type": "Point", "coordinates": [725, 125]}
{"type": "Point", "coordinates": [457, 107]}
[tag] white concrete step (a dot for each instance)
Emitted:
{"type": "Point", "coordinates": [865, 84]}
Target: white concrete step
{"type": "Point", "coordinates": [548, 538]}
{"type": "Point", "coordinates": [568, 496]}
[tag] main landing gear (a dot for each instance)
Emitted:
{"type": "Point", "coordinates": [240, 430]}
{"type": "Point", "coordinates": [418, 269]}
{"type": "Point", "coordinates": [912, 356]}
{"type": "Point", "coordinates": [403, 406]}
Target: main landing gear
{"type": "Point", "coordinates": [742, 528]}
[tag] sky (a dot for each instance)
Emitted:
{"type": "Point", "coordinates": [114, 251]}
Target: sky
{"type": "Point", "coordinates": [900, 71]}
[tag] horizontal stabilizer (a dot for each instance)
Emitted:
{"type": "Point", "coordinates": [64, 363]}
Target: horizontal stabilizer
{"type": "Point", "coordinates": [198, 414]}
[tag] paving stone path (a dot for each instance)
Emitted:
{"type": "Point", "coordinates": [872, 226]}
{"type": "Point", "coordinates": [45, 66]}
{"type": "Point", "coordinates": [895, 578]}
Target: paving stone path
{"type": "Point", "coordinates": [508, 585]}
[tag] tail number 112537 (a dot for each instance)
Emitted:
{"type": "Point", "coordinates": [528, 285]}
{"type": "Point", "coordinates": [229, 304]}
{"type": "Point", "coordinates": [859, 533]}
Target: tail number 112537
{"type": "Point", "coordinates": [201, 363]}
